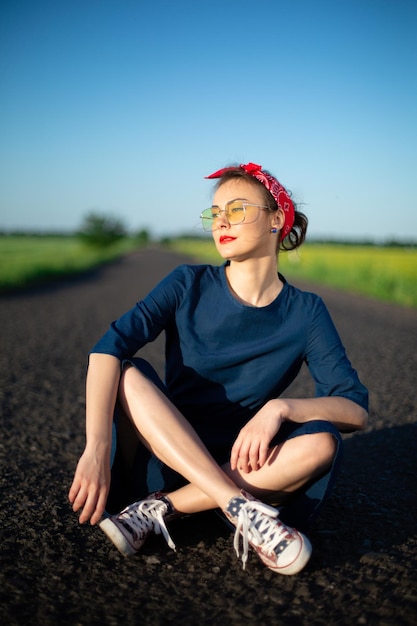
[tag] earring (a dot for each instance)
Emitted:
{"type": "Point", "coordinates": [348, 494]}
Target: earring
{"type": "Point", "coordinates": [273, 230]}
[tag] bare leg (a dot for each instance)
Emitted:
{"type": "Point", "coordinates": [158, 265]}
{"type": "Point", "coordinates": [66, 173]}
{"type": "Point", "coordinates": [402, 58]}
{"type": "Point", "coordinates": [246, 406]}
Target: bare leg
{"type": "Point", "coordinates": [171, 437]}
{"type": "Point", "coordinates": [289, 466]}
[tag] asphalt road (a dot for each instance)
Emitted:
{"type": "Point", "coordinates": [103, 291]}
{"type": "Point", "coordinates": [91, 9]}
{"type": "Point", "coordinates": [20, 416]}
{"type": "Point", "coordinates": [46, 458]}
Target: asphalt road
{"type": "Point", "coordinates": [54, 571]}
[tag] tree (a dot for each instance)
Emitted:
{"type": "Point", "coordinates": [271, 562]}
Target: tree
{"type": "Point", "coordinates": [100, 230]}
{"type": "Point", "coordinates": [142, 237]}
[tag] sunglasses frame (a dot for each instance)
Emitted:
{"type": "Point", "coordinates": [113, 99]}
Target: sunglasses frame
{"type": "Point", "coordinates": [208, 221]}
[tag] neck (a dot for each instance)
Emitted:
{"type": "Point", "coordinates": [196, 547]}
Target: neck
{"type": "Point", "coordinates": [254, 281]}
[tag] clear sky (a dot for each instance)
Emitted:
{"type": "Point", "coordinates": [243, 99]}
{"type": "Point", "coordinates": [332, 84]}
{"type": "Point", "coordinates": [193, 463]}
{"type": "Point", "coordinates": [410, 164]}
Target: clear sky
{"type": "Point", "coordinates": [123, 106]}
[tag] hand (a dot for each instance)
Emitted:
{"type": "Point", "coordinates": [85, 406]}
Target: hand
{"type": "Point", "coordinates": [90, 487]}
{"type": "Point", "coordinates": [251, 448]}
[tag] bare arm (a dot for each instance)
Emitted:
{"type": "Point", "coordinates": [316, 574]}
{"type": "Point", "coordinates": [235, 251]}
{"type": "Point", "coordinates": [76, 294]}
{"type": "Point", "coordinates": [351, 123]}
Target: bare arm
{"type": "Point", "coordinates": [345, 414]}
{"type": "Point", "coordinates": [252, 444]}
{"type": "Point", "coordinates": [91, 482]}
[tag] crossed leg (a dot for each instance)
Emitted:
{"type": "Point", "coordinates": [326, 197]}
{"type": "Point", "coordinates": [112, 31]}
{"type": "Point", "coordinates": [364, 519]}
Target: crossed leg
{"type": "Point", "coordinates": [162, 428]}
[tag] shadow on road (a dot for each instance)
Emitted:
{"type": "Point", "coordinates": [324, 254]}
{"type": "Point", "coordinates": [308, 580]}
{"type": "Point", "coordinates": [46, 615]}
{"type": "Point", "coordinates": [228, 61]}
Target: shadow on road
{"type": "Point", "coordinates": [373, 507]}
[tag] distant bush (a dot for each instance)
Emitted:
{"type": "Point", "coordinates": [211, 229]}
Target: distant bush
{"type": "Point", "coordinates": [101, 231]}
{"type": "Point", "coordinates": [142, 237]}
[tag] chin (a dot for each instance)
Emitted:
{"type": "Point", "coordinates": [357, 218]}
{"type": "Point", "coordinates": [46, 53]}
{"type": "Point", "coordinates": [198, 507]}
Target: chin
{"type": "Point", "coordinates": [223, 251]}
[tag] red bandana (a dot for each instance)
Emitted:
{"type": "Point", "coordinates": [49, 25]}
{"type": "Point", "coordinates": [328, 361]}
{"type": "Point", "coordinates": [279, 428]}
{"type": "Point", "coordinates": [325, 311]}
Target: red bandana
{"type": "Point", "coordinates": [275, 188]}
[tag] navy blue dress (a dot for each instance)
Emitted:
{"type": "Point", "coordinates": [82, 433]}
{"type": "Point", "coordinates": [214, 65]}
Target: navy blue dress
{"type": "Point", "coordinates": [225, 360]}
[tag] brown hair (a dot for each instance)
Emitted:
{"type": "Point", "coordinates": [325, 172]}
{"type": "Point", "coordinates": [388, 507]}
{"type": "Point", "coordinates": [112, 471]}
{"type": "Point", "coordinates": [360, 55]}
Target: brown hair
{"type": "Point", "coordinates": [297, 235]}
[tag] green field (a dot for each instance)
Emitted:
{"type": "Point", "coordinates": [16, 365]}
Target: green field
{"type": "Point", "coordinates": [27, 260]}
{"type": "Point", "coordinates": [386, 273]}
{"type": "Point", "coordinates": [382, 272]}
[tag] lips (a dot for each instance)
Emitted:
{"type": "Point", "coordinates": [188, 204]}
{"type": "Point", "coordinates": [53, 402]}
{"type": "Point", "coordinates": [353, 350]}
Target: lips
{"type": "Point", "coordinates": [226, 239]}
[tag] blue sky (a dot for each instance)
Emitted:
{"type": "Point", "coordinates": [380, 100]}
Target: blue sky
{"type": "Point", "coordinates": [123, 106]}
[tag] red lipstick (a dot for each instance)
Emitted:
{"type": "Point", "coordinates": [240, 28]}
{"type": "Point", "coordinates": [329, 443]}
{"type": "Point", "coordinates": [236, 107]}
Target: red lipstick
{"type": "Point", "coordinates": [226, 239]}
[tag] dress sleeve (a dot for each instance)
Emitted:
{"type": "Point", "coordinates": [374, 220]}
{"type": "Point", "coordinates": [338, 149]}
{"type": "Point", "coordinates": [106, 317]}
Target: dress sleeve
{"type": "Point", "coordinates": [327, 360]}
{"type": "Point", "coordinates": [144, 322]}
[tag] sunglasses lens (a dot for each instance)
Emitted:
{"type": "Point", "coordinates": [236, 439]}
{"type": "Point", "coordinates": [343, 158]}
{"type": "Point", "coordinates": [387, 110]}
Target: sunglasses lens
{"type": "Point", "coordinates": [235, 212]}
{"type": "Point", "coordinates": [207, 219]}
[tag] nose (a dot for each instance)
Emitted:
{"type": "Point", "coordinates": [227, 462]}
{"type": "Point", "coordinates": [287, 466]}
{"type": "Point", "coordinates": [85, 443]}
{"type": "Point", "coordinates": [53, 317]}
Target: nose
{"type": "Point", "coordinates": [222, 220]}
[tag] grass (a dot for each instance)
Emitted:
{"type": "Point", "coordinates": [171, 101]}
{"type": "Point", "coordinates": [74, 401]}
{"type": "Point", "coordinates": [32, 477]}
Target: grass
{"type": "Point", "coordinates": [28, 260]}
{"type": "Point", "coordinates": [384, 272]}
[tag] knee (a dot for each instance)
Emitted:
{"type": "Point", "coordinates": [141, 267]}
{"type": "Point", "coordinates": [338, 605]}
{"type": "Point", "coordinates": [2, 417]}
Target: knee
{"type": "Point", "coordinates": [139, 374]}
{"type": "Point", "coordinates": [125, 377]}
{"type": "Point", "coordinates": [131, 378]}
{"type": "Point", "coordinates": [324, 446]}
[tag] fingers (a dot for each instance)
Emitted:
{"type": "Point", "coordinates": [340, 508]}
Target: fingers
{"type": "Point", "coordinates": [250, 450]}
{"type": "Point", "coordinates": [88, 495]}
{"type": "Point", "coordinates": [93, 508]}
{"type": "Point", "coordinates": [263, 453]}
{"type": "Point", "coordinates": [234, 456]}
{"type": "Point", "coordinates": [249, 455]}
{"type": "Point", "coordinates": [91, 500]}
{"type": "Point", "coordinates": [72, 494]}
{"type": "Point", "coordinates": [100, 506]}
{"type": "Point", "coordinates": [240, 457]}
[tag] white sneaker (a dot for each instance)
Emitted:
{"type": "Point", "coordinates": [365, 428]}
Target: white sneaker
{"type": "Point", "coordinates": [281, 548]}
{"type": "Point", "coordinates": [130, 528]}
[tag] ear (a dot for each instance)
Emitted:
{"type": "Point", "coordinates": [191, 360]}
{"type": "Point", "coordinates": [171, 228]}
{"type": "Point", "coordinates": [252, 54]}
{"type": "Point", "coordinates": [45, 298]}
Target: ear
{"type": "Point", "coordinates": [278, 219]}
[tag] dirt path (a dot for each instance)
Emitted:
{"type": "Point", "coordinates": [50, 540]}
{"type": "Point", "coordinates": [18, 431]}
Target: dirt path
{"type": "Point", "coordinates": [52, 571]}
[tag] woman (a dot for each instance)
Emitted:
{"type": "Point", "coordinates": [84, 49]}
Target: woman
{"type": "Point", "coordinates": [219, 433]}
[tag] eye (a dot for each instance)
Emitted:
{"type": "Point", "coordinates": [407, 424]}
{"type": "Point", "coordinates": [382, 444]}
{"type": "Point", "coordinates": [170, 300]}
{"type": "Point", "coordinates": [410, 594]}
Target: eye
{"type": "Point", "coordinates": [236, 208]}
{"type": "Point", "coordinates": [210, 214]}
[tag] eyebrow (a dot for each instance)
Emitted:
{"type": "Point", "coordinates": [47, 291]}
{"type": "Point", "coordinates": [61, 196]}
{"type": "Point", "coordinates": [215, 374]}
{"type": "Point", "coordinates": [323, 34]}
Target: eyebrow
{"type": "Point", "coordinates": [233, 200]}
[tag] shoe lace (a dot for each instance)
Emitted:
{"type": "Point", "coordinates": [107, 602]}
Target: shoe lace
{"type": "Point", "coordinates": [152, 518]}
{"type": "Point", "coordinates": [257, 523]}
